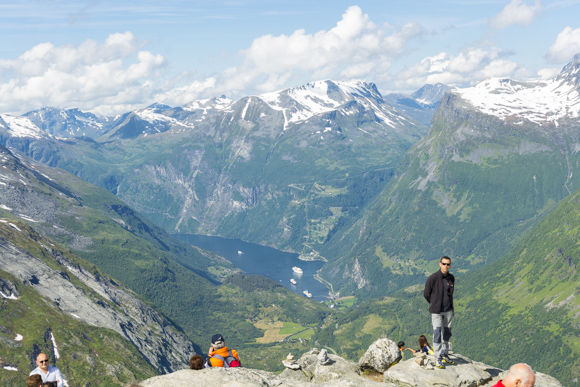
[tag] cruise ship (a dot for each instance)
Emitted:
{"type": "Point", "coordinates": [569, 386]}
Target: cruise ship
{"type": "Point", "coordinates": [296, 269]}
{"type": "Point", "coordinates": [293, 281]}
{"type": "Point", "coordinates": [307, 294]}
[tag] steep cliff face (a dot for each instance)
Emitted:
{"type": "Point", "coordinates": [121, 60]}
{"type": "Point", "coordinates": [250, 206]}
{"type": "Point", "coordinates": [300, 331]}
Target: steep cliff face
{"type": "Point", "coordinates": [96, 300]}
{"type": "Point", "coordinates": [89, 325]}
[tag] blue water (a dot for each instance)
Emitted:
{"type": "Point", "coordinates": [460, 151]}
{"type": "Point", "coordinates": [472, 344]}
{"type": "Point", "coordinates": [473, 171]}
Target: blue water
{"type": "Point", "coordinates": [265, 261]}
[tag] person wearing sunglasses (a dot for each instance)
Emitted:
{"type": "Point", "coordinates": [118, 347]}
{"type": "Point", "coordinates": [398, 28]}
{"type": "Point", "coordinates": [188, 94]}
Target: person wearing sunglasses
{"type": "Point", "coordinates": [439, 295]}
{"type": "Point", "coordinates": [47, 372]}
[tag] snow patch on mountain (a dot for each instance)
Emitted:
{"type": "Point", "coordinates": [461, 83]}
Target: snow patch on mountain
{"type": "Point", "coordinates": [155, 118]}
{"type": "Point", "coordinates": [21, 127]}
{"type": "Point", "coordinates": [539, 101]}
{"type": "Point", "coordinates": [220, 103]}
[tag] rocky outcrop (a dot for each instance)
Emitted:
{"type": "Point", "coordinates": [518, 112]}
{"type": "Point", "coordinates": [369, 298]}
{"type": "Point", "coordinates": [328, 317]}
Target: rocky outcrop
{"type": "Point", "coordinates": [340, 372]}
{"type": "Point", "coordinates": [380, 356]}
{"type": "Point", "coordinates": [464, 373]}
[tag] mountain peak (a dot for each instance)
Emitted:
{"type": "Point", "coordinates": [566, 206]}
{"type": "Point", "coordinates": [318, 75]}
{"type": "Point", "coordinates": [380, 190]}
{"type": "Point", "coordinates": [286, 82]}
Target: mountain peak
{"type": "Point", "coordinates": [536, 101]}
{"type": "Point", "coordinates": [571, 72]}
{"type": "Point", "coordinates": [430, 95]}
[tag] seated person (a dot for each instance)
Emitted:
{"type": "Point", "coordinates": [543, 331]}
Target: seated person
{"type": "Point", "coordinates": [220, 356]}
{"type": "Point", "coordinates": [196, 362]}
{"type": "Point", "coordinates": [34, 381]}
{"type": "Point", "coordinates": [424, 345]}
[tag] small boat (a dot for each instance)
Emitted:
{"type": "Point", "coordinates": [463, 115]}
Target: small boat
{"type": "Point", "coordinates": [293, 281]}
{"type": "Point", "coordinates": [296, 269]}
{"type": "Point", "coordinates": [240, 252]}
{"type": "Point", "coordinates": [307, 294]}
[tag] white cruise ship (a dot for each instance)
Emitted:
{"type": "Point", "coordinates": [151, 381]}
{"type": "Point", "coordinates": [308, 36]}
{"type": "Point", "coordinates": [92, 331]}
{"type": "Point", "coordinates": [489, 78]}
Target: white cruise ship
{"type": "Point", "coordinates": [296, 269]}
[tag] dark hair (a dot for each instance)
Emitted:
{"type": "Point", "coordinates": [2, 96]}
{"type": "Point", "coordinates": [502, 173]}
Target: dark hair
{"type": "Point", "coordinates": [401, 344]}
{"type": "Point", "coordinates": [423, 341]}
{"type": "Point", "coordinates": [49, 384]}
{"type": "Point", "coordinates": [196, 362]}
{"type": "Point", "coordinates": [34, 380]}
{"type": "Point", "coordinates": [444, 257]}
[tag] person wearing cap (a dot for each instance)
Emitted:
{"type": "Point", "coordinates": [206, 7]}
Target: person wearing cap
{"type": "Point", "coordinates": [219, 351]}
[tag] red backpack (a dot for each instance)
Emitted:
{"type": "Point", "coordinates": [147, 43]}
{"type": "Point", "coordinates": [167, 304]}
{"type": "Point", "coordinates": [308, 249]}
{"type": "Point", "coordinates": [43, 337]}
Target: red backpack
{"type": "Point", "coordinates": [229, 361]}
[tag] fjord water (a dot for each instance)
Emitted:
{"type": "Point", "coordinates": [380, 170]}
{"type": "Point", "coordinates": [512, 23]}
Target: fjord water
{"type": "Point", "coordinates": [265, 261]}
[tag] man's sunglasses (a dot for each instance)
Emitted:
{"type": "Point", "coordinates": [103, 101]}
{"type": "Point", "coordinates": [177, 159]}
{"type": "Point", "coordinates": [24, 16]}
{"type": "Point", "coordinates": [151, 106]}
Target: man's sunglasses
{"type": "Point", "coordinates": [445, 264]}
{"type": "Point", "coordinates": [43, 361]}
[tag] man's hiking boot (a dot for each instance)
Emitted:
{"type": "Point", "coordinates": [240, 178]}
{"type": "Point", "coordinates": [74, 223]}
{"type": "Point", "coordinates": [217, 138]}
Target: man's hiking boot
{"type": "Point", "coordinates": [447, 360]}
{"type": "Point", "coordinates": [439, 365]}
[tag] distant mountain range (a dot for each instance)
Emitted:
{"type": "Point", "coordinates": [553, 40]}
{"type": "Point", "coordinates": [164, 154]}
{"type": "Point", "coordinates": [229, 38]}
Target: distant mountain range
{"type": "Point", "coordinates": [281, 168]}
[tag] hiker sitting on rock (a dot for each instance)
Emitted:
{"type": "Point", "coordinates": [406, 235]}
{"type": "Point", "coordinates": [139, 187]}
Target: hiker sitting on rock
{"type": "Point", "coordinates": [34, 381]}
{"type": "Point", "coordinates": [424, 345]}
{"type": "Point", "coordinates": [220, 356]}
{"type": "Point", "coordinates": [196, 362]}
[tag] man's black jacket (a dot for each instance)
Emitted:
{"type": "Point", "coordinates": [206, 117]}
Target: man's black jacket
{"type": "Point", "coordinates": [434, 290]}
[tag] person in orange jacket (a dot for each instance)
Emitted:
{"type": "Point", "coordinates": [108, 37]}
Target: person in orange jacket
{"type": "Point", "coordinates": [220, 356]}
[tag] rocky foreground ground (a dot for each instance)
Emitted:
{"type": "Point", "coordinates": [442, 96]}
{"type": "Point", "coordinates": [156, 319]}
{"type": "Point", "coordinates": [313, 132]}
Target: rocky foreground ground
{"type": "Point", "coordinates": [381, 365]}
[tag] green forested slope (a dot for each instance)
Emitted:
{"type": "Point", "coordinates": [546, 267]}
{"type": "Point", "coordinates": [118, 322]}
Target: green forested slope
{"type": "Point", "coordinates": [468, 190]}
{"type": "Point", "coordinates": [180, 280]}
{"type": "Point", "coordinates": [87, 354]}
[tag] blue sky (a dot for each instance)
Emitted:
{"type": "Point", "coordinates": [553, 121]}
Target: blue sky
{"type": "Point", "coordinates": [113, 56]}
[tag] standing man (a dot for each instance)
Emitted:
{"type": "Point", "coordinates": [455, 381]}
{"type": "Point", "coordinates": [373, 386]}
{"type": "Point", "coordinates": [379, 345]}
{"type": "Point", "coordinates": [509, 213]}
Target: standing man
{"type": "Point", "coordinates": [47, 373]}
{"type": "Point", "coordinates": [439, 295]}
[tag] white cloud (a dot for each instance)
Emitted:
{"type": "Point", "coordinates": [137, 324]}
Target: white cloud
{"type": "Point", "coordinates": [516, 12]}
{"type": "Point", "coordinates": [567, 45]}
{"type": "Point", "coordinates": [119, 74]}
{"type": "Point", "coordinates": [548, 73]}
{"type": "Point", "coordinates": [355, 47]}
{"type": "Point", "coordinates": [92, 76]}
{"type": "Point", "coordinates": [469, 67]}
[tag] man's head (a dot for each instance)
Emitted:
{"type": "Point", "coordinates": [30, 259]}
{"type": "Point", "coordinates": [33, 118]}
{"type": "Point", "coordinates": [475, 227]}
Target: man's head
{"type": "Point", "coordinates": [445, 264]}
{"type": "Point", "coordinates": [34, 381]}
{"type": "Point", "coordinates": [42, 361]}
{"type": "Point", "coordinates": [217, 341]}
{"type": "Point", "coordinates": [401, 345]}
{"type": "Point", "coordinates": [520, 375]}
{"type": "Point", "coordinates": [196, 362]}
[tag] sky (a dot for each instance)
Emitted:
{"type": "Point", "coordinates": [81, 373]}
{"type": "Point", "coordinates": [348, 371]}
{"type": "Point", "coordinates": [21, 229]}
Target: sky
{"type": "Point", "coordinates": [110, 57]}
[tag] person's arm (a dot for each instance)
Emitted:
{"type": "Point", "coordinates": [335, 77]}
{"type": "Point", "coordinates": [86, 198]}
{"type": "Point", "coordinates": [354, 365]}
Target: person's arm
{"type": "Point", "coordinates": [411, 349]}
{"type": "Point", "coordinates": [428, 290]}
{"type": "Point", "coordinates": [59, 379]}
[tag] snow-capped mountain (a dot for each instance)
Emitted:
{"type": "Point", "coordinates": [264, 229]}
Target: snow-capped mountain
{"type": "Point", "coordinates": [302, 103]}
{"type": "Point", "coordinates": [220, 165]}
{"type": "Point", "coordinates": [20, 127]}
{"type": "Point", "coordinates": [69, 122]}
{"type": "Point", "coordinates": [539, 102]}
{"type": "Point", "coordinates": [498, 156]}
{"type": "Point", "coordinates": [282, 110]}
